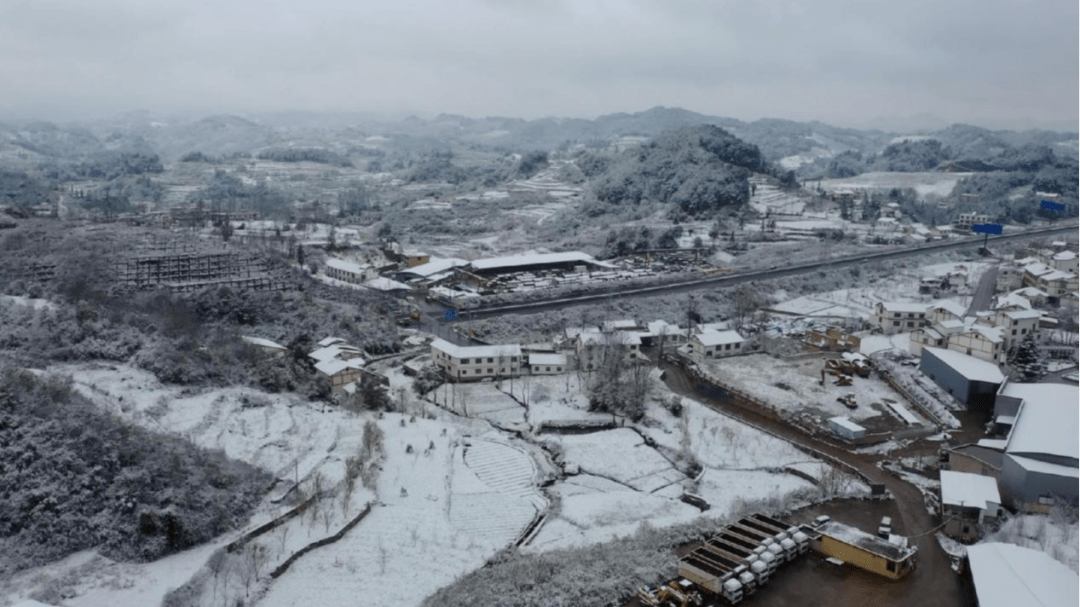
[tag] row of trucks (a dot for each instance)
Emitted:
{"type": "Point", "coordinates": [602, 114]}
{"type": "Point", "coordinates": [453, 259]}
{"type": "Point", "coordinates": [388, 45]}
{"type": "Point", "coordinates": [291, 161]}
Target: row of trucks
{"type": "Point", "coordinates": [732, 564]}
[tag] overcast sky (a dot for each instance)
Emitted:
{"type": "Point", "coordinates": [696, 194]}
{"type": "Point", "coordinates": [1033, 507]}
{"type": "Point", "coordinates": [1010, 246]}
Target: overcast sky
{"type": "Point", "coordinates": [990, 62]}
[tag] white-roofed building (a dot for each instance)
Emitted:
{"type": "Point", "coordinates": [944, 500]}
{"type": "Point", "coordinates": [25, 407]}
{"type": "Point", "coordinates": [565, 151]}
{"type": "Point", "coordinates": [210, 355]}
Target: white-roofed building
{"type": "Point", "coordinates": [536, 261]}
{"type": "Point", "coordinates": [1065, 261]}
{"type": "Point", "coordinates": [895, 317]}
{"type": "Point", "coordinates": [624, 324]}
{"type": "Point", "coordinates": [348, 271]}
{"type": "Point", "coordinates": [265, 346]}
{"type": "Point", "coordinates": [970, 380]}
{"type": "Point", "coordinates": [967, 502]}
{"type": "Point", "coordinates": [340, 372]}
{"type": "Point", "coordinates": [473, 363]}
{"type": "Point", "coordinates": [386, 285]}
{"type": "Point", "coordinates": [546, 364]}
{"type": "Point", "coordinates": [716, 344]}
{"type": "Point", "coordinates": [592, 347]}
{"type": "Point", "coordinates": [1015, 325]}
{"type": "Point", "coordinates": [1006, 575]}
{"type": "Point", "coordinates": [329, 341]}
{"type": "Point", "coordinates": [946, 310]}
{"type": "Point", "coordinates": [431, 272]}
{"type": "Point", "coordinates": [1042, 452]}
{"type": "Point", "coordinates": [980, 341]}
{"type": "Point", "coordinates": [662, 331]}
{"type": "Point", "coordinates": [845, 428]}
{"type": "Point", "coordinates": [339, 351]}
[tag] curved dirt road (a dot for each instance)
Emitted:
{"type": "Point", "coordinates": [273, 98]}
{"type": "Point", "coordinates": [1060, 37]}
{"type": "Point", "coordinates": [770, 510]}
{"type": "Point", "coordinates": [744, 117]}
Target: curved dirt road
{"type": "Point", "coordinates": [933, 583]}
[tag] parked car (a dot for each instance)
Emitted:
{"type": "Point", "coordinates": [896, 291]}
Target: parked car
{"type": "Point", "coordinates": [885, 528]}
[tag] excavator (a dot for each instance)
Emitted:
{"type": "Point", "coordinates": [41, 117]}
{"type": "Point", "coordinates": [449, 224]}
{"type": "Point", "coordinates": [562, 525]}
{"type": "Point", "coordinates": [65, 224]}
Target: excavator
{"type": "Point", "coordinates": [678, 593]}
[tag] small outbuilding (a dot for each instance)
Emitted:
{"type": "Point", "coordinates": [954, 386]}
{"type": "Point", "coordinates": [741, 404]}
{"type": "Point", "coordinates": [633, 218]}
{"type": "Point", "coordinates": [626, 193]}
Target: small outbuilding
{"type": "Point", "coordinates": [846, 429]}
{"type": "Point", "coordinates": [869, 552]}
{"type": "Point", "coordinates": [968, 501]}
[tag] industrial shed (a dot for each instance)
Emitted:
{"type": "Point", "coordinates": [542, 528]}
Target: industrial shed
{"type": "Point", "coordinates": [532, 263]}
{"type": "Point", "coordinates": [970, 380]}
{"type": "Point", "coordinates": [1005, 575]}
{"type": "Point", "coordinates": [865, 551]}
{"type": "Point", "coordinates": [1042, 452]}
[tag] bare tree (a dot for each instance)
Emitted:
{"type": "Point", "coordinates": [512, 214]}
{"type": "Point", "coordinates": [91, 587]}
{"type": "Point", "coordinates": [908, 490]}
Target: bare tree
{"type": "Point", "coordinates": [747, 301]}
{"type": "Point", "coordinates": [283, 535]}
{"type": "Point", "coordinates": [661, 338]}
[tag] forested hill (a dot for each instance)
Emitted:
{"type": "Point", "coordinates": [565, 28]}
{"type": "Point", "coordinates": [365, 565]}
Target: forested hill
{"type": "Point", "coordinates": [695, 170]}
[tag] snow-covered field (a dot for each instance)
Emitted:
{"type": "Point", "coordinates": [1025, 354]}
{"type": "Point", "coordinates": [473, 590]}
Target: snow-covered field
{"type": "Point", "coordinates": [941, 184]}
{"type": "Point", "coordinates": [740, 463]}
{"type": "Point", "coordinates": [441, 512]}
{"type": "Point", "coordinates": [860, 302]}
{"type": "Point", "coordinates": [760, 374]}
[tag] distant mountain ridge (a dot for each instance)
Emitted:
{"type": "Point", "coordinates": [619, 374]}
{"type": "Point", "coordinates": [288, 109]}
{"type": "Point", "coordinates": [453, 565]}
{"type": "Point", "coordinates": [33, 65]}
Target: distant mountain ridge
{"type": "Point", "coordinates": [227, 134]}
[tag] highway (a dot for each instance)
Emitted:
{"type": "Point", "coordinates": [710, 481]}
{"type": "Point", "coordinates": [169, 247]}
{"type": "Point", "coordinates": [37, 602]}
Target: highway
{"type": "Point", "coordinates": [729, 280]}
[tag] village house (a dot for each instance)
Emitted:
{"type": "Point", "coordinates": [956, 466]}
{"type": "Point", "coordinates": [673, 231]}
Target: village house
{"type": "Point", "coordinates": [1015, 325]}
{"type": "Point", "coordinates": [592, 347]}
{"type": "Point", "coordinates": [340, 372]}
{"type": "Point", "coordinates": [474, 363]}
{"type": "Point", "coordinates": [968, 501]}
{"type": "Point", "coordinates": [546, 364]}
{"type": "Point", "coordinates": [895, 317]}
{"type": "Point", "coordinates": [415, 258]}
{"type": "Point", "coordinates": [661, 332]}
{"type": "Point", "coordinates": [348, 271]}
{"type": "Point", "coordinates": [966, 220]}
{"type": "Point", "coordinates": [716, 344]}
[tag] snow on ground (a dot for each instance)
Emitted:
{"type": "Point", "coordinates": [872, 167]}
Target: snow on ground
{"type": "Point", "coordinates": [96, 581]}
{"type": "Point", "coordinates": [941, 184]}
{"type": "Point", "coordinates": [430, 514]}
{"type": "Point", "coordinates": [878, 343]}
{"type": "Point", "coordinates": [726, 489]}
{"type": "Point", "coordinates": [281, 433]}
{"type": "Point", "coordinates": [1057, 536]}
{"type": "Point", "coordinates": [482, 400]}
{"type": "Point", "coordinates": [759, 374]}
{"type": "Point", "coordinates": [621, 455]}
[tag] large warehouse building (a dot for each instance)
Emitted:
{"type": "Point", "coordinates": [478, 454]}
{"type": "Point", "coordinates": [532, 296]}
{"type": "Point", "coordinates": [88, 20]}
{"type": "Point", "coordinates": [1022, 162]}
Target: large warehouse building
{"type": "Point", "coordinates": [1042, 452]}
{"type": "Point", "coordinates": [969, 380]}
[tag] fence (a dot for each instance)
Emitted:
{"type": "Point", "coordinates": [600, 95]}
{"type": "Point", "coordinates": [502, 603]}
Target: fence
{"type": "Point", "coordinates": [282, 568]}
{"type": "Point", "coordinates": [911, 398]}
{"type": "Point", "coordinates": [711, 387]}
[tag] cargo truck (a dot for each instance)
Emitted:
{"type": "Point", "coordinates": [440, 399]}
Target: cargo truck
{"type": "Point", "coordinates": [749, 552]}
{"type": "Point", "coordinates": [791, 549]}
{"type": "Point", "coordinates": [793, 532]}
{"type": "Point", "coordinates": [764, 545]}
{"type": "Point", "coordinates": [711, 577]}
{"type": "Point", "coordinates": [751, 574]}
{"type": "Point", "coordinates": [766, 539]}
{"type": "Point", "coordinates": [681, 593]}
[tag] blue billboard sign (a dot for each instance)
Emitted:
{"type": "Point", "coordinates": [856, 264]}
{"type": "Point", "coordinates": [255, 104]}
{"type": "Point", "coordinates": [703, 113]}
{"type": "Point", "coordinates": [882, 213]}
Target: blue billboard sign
{"type": "Point", "coordinates": [987, 228]}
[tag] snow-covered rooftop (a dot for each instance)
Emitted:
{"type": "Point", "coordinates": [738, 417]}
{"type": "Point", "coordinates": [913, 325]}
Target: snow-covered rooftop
{"type": "Point", "coordinates": [845, 422]}
{"type": "Point", "coordinates": [992, 334]}
{"type": "Point", "coordinates": [969, 490]}
{"type": "Point", "coordinates": [624, 323]}
{"type": "Point", "coordinates": [1056, 275]}
{"type": "Point", "coordinates": [1006, 575]}
{"type": "Point", "coordinates": [998, 444]}
{"type": "Point", "coordinates": [861, 539]}
{"type": "Point", "coordinates": [618, 338]}
{"type": "Point", "coordinates": [547, 359]}
{"type": "Point", "coordinates": [1013, 299]}
{"type": "Point", "coordinates": [346, 266]}
{"type": "Point", "coordinates": [261, 342]}
{"type": "Point", "coordinates": [491, 351]}
{"type": "Point", "coordinates": [1035, 465]}
{"type": "Point", "coordinates": [718, 338]}
{"type": "Point", "coordinates": [1064, 256]}
{"type": "Point", "coordinates": [1047, 421]}
{"type": "Point", "coordinates": [435, 266]}
{"type": "Point", "coordinates": [385, 284]}
{"type": "Point", "coordinates": [334, 351]}
{"type": "Point", "coordinates": [1023, 314]}
{"type": "Point", "coordinates": [973, 369]}
{"type": "Point", "coordinates": [335, 366]}
{"type": "Point", "coordinates": [952, 307]}
{"type": "Point", "coordinates": [535, 259]}
{"type": "Point", "coordinates": [896, 306]}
